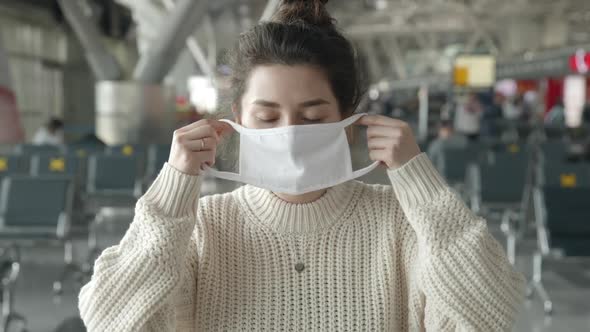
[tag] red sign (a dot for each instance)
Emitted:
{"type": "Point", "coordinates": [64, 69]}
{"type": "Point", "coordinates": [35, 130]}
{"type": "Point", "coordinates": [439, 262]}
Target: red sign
{"type": "Point", "coordinates": [10, 128]}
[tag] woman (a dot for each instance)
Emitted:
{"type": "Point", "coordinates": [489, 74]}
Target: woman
{"type": "Point", "coordinates": [356, 257]}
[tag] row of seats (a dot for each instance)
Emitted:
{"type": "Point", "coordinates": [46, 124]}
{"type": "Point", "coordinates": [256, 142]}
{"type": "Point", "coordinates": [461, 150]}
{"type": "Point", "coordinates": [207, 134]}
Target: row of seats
{"type": "Point", "coordinates": [49, 194]}
{"type": "Point", "coordinates": [73, 160]}
{"type": "Point", "coordinates": [536, 187]}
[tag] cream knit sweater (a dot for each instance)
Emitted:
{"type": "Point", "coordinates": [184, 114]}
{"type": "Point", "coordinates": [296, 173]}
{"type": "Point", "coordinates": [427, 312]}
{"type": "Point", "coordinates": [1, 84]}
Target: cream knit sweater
{"type": "Point", "coordinates": [407, 257]}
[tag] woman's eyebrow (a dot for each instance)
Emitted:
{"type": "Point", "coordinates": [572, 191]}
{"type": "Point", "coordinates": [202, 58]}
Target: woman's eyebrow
{"type": "Point", "coordinates": [266, 103]}
{"type": "Point", "coordinates": [314, 102]}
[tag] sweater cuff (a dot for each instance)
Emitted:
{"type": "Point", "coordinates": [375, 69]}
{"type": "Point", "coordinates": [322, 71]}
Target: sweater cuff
{"type": "Point", "coordinates": [417, 182]}
{"type": "Point", "coordinates": [174, 193]}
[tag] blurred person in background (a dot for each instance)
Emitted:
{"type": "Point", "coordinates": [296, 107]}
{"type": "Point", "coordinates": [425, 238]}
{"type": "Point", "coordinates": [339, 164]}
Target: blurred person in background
{"type": "Point", "coordinates": [50, 134]}
{"type": "Point", "coordinates": [512, 108]}
{"type": "Point", "coordinates": [447, 138]}
{"type": "Point", "coordinates": [492, 112]}
{"type": "Point", "coordinates": [311, 249]}
{"type": "Point", "coordinates": [89, 139]}
{"type": "Point", "coordinates": [555, 118]}
{"type": "Point", "coordinates": [468, 117]}
{"type": "Point", "coordinates": [586, 114]}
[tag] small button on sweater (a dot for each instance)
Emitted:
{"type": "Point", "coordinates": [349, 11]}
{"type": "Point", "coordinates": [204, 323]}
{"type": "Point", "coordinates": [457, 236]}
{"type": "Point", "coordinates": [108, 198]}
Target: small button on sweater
{"type": "Point", "coordinates": [405, 257]}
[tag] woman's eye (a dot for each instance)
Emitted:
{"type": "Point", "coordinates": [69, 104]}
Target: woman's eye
{"type": "Point", "coordinates": [267, 120]}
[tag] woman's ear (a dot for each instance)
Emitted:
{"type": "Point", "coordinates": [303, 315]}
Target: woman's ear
{"type": "Point", "coordinates": [235, 111]}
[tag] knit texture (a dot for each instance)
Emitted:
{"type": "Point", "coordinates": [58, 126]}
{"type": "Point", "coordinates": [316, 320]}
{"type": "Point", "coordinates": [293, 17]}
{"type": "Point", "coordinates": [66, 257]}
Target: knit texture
{"type": "Point", "coordinates": [406, 257]}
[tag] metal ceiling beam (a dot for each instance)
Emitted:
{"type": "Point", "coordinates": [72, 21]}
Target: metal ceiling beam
{"type": "Point", "coordinates": [156, 62]}
{"type": "Point", "coordinates": [372, 60]}
{"type": "Point", "coordinates": [391, 30]}
{"type": "Point", "coordinates": [397, 59]}
{"type": "Point", "coordinates": [103, 64]}
{"type": "Point", "coordinates": [195, 49]}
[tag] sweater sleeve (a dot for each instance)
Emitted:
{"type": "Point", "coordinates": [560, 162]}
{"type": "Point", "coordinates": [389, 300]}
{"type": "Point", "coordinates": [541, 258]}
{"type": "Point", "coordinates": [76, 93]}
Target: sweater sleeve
{"type": "Point", "coordinates": [140, 284]}
{"type": "Point", "coordinates": [467, 281]}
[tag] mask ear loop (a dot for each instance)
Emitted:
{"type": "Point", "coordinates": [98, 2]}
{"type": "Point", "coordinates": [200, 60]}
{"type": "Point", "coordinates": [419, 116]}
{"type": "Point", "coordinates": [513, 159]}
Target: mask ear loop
{"type": "Point", "coordinates": [234, 125]}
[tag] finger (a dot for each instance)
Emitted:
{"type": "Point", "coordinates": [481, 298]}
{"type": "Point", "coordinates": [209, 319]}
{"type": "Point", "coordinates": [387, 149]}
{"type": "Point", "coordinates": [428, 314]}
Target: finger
{"type": "Point", "coordinates": [202, 144]}
{"type": "Point", "coordinates": [379, 155]}
{"type": "Point", "coordinates": [380, 143]}
{"type": "Point", "coordinates": [380, 120]}
{"type": "Point", "coordinates": [224, 129]}
{"type": "Point", "coordinates": [209, 160]}
{"type": "Point", "coordinates": [383, 131]}
{"type": "Point", "coordinates": [201, 132]}
{"type": "Point", "coordinates": [201, 123]}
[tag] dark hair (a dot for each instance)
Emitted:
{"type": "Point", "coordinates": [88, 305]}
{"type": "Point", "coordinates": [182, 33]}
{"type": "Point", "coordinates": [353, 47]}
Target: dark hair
{"type": "Point", "coordinates": [301, 32]}
{"type": "Point", "coordinates": [55, 124]}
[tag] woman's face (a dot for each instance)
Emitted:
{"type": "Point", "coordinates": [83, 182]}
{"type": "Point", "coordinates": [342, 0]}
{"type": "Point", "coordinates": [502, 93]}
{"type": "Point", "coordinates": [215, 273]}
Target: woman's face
{"type": "Point", "coordinates": [281, 95]}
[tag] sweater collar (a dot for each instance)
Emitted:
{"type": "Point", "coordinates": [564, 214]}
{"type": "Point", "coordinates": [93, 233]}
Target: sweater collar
{"type": "Point", "coordinates": [271, 211]}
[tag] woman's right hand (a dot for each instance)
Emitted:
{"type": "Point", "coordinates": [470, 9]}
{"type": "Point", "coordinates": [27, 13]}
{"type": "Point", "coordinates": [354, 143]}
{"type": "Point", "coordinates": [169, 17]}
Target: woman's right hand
{"type": "Point", "coordinates": [194, 146]}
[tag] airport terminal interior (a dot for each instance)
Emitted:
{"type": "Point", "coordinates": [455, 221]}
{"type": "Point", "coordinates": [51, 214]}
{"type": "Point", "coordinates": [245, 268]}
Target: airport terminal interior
{"type": "Point", "coordinates": [496, 92]}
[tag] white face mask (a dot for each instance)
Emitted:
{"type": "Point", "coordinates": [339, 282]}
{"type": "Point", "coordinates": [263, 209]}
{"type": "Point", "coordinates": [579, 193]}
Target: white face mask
{"type": "Point", "coordinates": [295, 159]}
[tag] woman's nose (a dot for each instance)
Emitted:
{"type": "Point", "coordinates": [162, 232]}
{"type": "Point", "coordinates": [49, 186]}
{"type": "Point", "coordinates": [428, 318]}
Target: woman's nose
{"type": "Point", "coordinates": [291, 121]}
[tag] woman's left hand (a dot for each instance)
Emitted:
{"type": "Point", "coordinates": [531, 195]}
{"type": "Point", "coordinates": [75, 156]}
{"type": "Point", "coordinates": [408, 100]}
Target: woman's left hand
{"type": "Point", "coordinates": [390, 141]}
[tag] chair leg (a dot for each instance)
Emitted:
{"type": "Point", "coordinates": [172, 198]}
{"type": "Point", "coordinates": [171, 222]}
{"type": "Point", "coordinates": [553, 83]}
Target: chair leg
{"type": "Point", "coordinates": [70, 269]}
{"type": "Point", "coordinates": [536, 284]}
{"type": "Point", "coordinates": [8, 315]}
{"type": "Point", "coordinates": [93, 250]}
{"type": "Point", "coordinates": [508, 230]}
{"type": "Point", "coordinates": [14, 318]}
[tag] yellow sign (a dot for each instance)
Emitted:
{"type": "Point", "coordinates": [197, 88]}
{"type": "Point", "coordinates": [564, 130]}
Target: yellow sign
{"type": "Point", "coordinates": [514, 148]}
{"type": "Point", "coordinates": [568, 180]}
{"type": "Point", "coordinates": [127, 150]}
{"type": "Point", "coordinates": [3, 164]}
{"type": "Point", "coordinates": [57, 165]}
{"type": "Point", "coordinates": [461, 76]}
{"type": "Point", "coordinates": [477, 71]}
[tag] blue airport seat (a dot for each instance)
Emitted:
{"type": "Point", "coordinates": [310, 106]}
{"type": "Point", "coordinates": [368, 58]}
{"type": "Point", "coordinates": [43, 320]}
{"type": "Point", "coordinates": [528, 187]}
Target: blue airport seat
{"type": "Point", "coordinates": [554, 150]}
{"type": "Point", "coordinates": [55, 164]}
{"type": "Point", "coordinates": [113, 174]}
{"type": "Point", "coordinates": [557, 173]}
{"type": "Point", "coordinates": [503, 178]}
{"type": "Point", "coordinates": [113, 187]}
{"type": "Point", "coordinates": [128, 150]}
{"type": "Point", "coordinates": [562, 214]}
{"type": "Point", "coordinates": [29, 149]}
{"type": "Point", "coordinates": [156, 158]}
{"type": "Point", "coordinates": [35, 203]}
{"type": "Point", "coordinates": [39, 208]}
{"type": "Point", "coordinates": [84, 151]}
{"type": "Point", "coordinates": [71, 165]}
{"type": "Point", "coordinates": [501, 187]}
{"type": "Point", "coordinates": [567, 212]}
{"type": "Point", "coordinates": [455, 162]}
{"type": "Point", "coordinates": [10, 164]}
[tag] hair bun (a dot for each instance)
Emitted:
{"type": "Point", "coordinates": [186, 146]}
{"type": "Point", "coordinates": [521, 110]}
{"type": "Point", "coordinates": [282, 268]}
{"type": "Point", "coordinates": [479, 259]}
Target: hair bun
{"type": "Point", "coordinates": [311, 12]}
